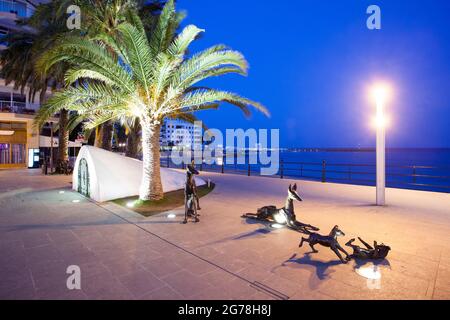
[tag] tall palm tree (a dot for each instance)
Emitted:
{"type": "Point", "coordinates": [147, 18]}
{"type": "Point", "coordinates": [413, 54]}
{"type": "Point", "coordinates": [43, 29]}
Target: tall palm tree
{"type": "Point", "coordinates": [101, 19]}
{"type": "Point", "coordinates": [150, 78]}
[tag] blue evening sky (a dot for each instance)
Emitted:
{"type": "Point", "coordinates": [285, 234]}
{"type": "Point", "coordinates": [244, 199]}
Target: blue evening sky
{"type": "Point", "coordinates": [311, 62]}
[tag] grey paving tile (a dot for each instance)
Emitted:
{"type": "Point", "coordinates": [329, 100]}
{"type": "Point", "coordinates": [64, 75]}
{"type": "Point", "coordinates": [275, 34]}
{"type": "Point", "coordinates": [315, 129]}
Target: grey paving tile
{"type": "Point", "coordinates": [164, 293]}
{"type": "Point", "coordinates": [42, 232]}
{"type": "Point", "coordinates": [105, 286]}
{"type": "Point", "coordinates": [120, 266]}
{"type": "Point", "coordinates": [187, 284]}
{"type": "Point", "coordinates": [141, 282]}
{"type": "Point", "coordinates": [162, 267]}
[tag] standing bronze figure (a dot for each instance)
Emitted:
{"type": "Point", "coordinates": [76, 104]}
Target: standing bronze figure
{"type": "Point", "coordinates": [197, 199]}
{"type": "Point", "coordinates": [191, 201]}
{"type": "Point", "coordinates": [329, 241]}
{"type": "Point", "coordinates": [285, 215]}
{"type": "Point", "coordinates": [378, 251]}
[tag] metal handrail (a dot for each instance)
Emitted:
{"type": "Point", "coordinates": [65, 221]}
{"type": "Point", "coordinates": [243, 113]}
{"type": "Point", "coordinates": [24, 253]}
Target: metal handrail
{"type": "Point", "coordinates": [353, 176]}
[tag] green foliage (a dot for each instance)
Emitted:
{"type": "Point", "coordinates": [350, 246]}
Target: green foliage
{"type": "Point", "coordinates": [131, 73]}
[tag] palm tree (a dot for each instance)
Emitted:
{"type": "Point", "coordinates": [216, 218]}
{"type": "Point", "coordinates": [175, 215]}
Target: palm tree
{"type": "Point", "coordinates": [40, 31]}
{"type": "Point", "coordinates": [147, 77]}
{"type": "Point", "coordinates": [101, 19]}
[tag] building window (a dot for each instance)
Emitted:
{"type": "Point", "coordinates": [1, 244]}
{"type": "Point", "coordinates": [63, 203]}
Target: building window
{"type": "Point", "coordinates": [12, 153]}
{"type": "Point", "coordinates": [18, 153]}
{"type": "Point", "coordinates": [4, 153]}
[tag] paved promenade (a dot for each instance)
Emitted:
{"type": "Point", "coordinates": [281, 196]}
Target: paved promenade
{"type": "Point", "coordinates": [123, 255]}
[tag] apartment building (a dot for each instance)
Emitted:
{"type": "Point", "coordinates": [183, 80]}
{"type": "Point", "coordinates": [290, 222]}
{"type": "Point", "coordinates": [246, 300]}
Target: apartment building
{"type": "Point", "coordinates": [175, 132]}
{"type": "Point", "coordinates": [19, 141]}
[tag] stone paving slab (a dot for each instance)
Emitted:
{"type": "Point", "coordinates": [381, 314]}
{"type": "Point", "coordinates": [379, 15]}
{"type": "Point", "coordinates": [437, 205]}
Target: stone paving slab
{"type": "Point", "coordinates": [123, 255]}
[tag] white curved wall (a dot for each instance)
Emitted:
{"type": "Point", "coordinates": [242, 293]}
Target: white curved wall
{"type": "Point", "coordinates": [113, 176]}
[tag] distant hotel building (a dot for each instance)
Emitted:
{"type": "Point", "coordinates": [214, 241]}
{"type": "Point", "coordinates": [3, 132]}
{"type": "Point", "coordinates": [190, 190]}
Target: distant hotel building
{"type": "Point", "coordinates": [19, 142]}
{"type": "Point", "coordinates": [176, 132]}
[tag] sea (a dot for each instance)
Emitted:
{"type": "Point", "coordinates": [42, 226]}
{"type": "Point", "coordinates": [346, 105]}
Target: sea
{"type": "Point", "coordinates": [419, 168]}
{"type": "Point", "coordinates": [410, 168]}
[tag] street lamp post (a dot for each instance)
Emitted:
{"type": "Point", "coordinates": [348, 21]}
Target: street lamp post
{"type": "Point", "coordinates": [380, 94]}
{"type": "Point", "coordinates": [381, 156]}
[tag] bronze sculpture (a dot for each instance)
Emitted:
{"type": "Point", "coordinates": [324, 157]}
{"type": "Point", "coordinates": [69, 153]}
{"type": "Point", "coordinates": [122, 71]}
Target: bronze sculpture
{"type": "Point", "coordinates": [329, 241]}
{"type": "Point", "coordinates": [191, 201]}
{"type": "Point", "coordinates": [197, 200]}
{"type": "Point", "coordinates": [285, 215]}
{"type": "Point", "coordinates": [378, 251]}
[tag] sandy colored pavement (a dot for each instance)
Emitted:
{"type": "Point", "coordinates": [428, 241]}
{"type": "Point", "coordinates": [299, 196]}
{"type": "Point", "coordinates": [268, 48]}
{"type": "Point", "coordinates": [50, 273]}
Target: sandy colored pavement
{"type": "Point", "coordinates": [123, 255]}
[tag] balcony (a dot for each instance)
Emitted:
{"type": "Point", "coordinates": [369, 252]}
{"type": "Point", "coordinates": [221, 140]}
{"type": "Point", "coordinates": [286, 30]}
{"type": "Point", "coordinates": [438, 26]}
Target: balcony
{"type": "Point", "coordinates": [17, 107]}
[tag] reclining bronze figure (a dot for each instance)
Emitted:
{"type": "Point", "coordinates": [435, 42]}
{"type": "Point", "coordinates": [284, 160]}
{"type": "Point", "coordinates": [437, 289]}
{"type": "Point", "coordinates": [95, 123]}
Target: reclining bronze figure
{"type": "Point", "coordinates": [329, 241]}
{"type": "Point", "coordinates": [191, 201]}
{"type": "Point", "coordinates": [378, 251]}
{"type": "Point", "coordinates": [285, 215]}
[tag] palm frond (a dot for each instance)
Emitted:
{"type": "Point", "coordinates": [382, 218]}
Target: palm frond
{"type": "Point", "coordinates": [161, 33]}
{"type": "Point", "coordinates": [83, 98]}
{"type": "Point", "coordinates": [75, 119]}
{"type": "Point", "coordinates": [94, 120]}
{"type": "Point", "coordinates": [87, 54]}
{"type": "Point", "coordinates": [195, 69]}
{"type": "Point", "coordinates": [195, 100]}
{"type": "Point", "coordinates": [139, 54]}
{"type": "Point", "coordinates": [74, 75]}
{"type": "Point", "coordinates": [183, 40]}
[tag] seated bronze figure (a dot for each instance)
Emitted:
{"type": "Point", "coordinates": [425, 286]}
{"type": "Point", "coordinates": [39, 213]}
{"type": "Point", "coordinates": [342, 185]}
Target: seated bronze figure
{"type": "Point", "coordinates": [191, 201]}
{"type": "Point", "coordinates": [329, 241]}
{"type": "Point", "coordinates": [285, 215]}
{"type": "Point", "coordinates": [378, 251]}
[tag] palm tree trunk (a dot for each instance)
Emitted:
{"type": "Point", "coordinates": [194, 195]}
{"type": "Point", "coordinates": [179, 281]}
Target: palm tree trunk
{"type": "Point", "coordinates": [151, 185]}
{"type": "Point", "coordinates": [107, 135]}
{"type": "Point", "coordinates": [63, 136]}
{"type": "Point", "coordinates": [103, 136]}
{"type": "Point", "coordinates": [98, 136]}
{"type": "Point", "coordinates": [133, 141]}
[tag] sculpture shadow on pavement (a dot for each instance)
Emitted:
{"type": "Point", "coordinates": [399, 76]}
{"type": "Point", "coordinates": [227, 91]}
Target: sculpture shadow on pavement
{"type": "Point", "coordinates": [320, 271]}
{"type": "Point", "coordinates": [358, 263]}
{"type": "Point", "coordinates": [258, 233]}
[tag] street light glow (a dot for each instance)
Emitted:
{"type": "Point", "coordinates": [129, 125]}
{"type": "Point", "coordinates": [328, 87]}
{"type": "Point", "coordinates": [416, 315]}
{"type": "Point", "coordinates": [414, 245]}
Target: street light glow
{"type": "Point", "coordinates": [381, 93]}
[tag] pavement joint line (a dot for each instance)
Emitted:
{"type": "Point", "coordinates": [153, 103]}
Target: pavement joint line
{"type": "Point", "coordinates": [253, 284]}
{"type": "Point", "coordinates": [273, 292]}
{"type": "Point", "coordinates": [435, 277]}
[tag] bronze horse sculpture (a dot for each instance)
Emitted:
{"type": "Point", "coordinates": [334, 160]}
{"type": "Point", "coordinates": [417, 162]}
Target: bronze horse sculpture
{"type": "Point", "coordinates": [191, 200]}
{"type": "Point", "coordinates": [285, 215]}
{"type": "Point", "coordinates": [329, 241]}
{"type": "Point", "coordinates": [378, 251]}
